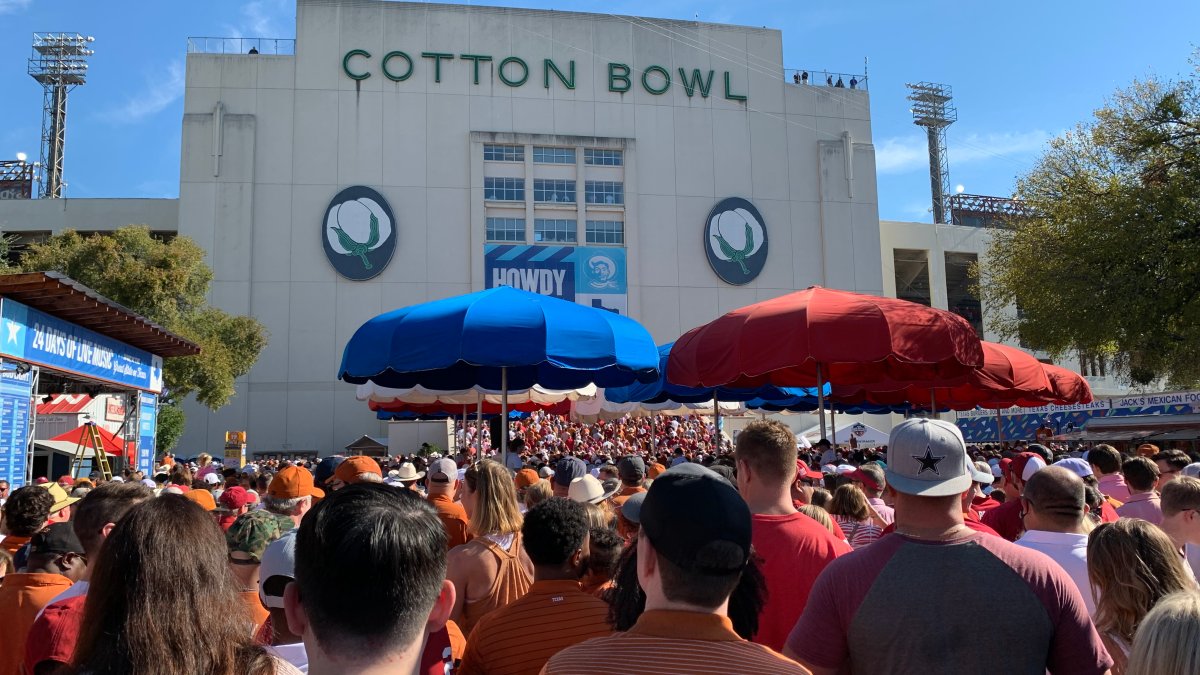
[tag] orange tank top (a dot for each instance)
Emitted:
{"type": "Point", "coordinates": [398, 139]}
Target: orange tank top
{"type": "Point", "coordinates": [511, 582]}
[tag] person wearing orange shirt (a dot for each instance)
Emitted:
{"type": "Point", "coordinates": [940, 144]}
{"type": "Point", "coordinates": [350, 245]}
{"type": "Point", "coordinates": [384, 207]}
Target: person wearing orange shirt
{"type": "Point", "coordinates": [247, 539]}
{"type": "Point", "coordinates": [56, 560]}
{"type": "Point", "coordinates": [555, 609]}
{"type": "Point", "coordinates": [25, 513]}
{"type": "Point", "coordinates": [692, 550]}
{"type": "Point", "coordinates": [441, 487]}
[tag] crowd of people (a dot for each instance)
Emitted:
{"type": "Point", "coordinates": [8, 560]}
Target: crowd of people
{"type": "Point", "coordinates": [628, 546]}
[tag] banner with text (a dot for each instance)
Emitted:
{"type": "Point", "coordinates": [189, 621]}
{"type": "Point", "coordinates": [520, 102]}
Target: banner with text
{"type": "Point", "coordinates": [37, 337]}
{"type": "Point", "coordinates": [147, 429]}
{"type": "Point", "coordinates": [589, 275]}
{"type": "Point", "coordinates": [16, 389]}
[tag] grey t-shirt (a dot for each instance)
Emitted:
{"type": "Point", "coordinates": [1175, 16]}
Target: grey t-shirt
{"type": "Point", "coordinates": [973, 604]}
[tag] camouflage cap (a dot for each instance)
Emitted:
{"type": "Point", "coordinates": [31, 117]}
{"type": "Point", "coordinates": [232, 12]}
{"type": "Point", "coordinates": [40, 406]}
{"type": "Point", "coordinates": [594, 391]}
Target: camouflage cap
{"type": "Point", "coordinates": [252, 531]}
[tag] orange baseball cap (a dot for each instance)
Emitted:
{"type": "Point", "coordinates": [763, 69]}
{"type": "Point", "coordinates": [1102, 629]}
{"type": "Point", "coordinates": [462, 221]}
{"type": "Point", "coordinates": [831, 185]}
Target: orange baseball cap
{"type": "Point", "coordinates": [292, 482]}
{"type": "Point", "coordinates": [655, 469]}
{"type": "Point", "coordinates": [202, 497]}
{"type": "Point", "coordinates": [525, 478]}
{"type": "Point", "coordinates": [348, 471]}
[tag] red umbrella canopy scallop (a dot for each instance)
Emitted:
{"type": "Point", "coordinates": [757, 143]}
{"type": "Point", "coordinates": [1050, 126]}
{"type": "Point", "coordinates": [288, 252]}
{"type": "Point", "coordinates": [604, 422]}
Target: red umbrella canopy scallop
{"type": "Point", "coordinates": [850, 338]}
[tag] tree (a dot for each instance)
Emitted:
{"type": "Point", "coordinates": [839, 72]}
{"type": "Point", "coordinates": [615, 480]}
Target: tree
{"type": "Point", "coordinates": [167, 282]}
{"type": "Point", "coordinates": [1109, 264]}
{"type": "Point", "coordinates": [171, 422]}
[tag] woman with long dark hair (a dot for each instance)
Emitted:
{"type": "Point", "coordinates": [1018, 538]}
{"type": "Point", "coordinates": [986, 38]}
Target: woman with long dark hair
{"type": "Point", "coordinates": [162, 600]}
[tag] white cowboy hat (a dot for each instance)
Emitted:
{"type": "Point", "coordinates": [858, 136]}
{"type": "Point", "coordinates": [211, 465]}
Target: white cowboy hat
{"type": "Point", "coordinates": [589, 490]}
{"type": "Point", "coordinates": [407, 473]}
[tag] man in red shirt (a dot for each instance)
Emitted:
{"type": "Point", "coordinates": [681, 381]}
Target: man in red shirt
{"type": "Point", "coordinates": [1006, 518]}
{"type": "Point", "coordinates": [793, 548]}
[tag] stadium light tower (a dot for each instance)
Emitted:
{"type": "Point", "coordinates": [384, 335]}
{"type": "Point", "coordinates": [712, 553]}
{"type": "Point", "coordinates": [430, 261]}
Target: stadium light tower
{"type": "Point", "coordinates": [59, 64]}
{"type": "Point", "coordinates": [931, 109]}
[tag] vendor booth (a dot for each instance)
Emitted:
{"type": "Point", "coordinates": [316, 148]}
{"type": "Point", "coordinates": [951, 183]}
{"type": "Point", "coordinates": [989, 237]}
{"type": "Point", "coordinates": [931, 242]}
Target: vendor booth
{"type": "Point", "coordinates": [59, 337]}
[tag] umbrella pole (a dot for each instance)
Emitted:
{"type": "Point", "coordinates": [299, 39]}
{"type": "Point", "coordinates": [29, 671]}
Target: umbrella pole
{"type": "Point", "coordinates": [504, 414]}
{"type": "Point", "coordinates": [479, 427]}
{"type": "Point", "coordinates": [716, 424]}
{"type": "Point", "coordinates": [821, 400]}
{"type": "Point", "coordinates": [999, 426]}
{"type": "Point", "coordinates": [932, 404]}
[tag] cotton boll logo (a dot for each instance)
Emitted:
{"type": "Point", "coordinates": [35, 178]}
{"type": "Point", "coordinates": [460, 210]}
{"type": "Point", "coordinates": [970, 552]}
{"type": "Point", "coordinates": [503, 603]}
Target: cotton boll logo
{"type": "Point", "coordinates": [735, 239]}
{"type": "Point", "coordinates": [358, 233]}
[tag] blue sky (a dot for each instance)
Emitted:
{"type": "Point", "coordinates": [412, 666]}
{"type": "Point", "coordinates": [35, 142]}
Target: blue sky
{"type": "Point", "coordinates": [1022, 72]}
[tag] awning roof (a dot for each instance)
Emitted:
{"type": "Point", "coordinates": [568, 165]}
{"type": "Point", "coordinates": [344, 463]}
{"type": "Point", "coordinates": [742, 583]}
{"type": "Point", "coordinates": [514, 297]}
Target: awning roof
{"type": "Point", "coordinates": [64, 404]}
{"type": "Point", "coordinates": [67, 299]}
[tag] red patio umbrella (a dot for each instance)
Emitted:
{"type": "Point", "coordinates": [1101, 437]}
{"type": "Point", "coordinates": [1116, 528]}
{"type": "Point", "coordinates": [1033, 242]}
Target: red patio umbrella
{"type": "Point", "coordinates": [806, 338]}
{"type": "Point", "coordinates": [1069, 387]}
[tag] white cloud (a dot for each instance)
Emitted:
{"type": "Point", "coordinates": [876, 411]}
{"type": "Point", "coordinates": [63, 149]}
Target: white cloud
{"type": "Point", "coordinates": [159, 91]}
{"type": "Point", "coordinates": [263, 19]}
{"type": "Point", "coordinates": [11, 6]}
{"type": "Point", "coordinates": [902, 154]}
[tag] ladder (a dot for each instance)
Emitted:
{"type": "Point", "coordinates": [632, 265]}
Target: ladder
{"type": "Point", "coordinates": [91, 435]}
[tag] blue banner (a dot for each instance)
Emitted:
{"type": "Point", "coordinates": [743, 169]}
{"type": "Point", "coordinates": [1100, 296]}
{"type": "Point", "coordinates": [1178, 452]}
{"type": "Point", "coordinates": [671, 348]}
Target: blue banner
{"type": "Point", "coordinates": [589, 275]}
{"type": "Point", "coordinates": [37, 337]}
{"type": "Point", "coordinates": [16, 390]}
{"type": "Point", "coordinates": [147, 428]}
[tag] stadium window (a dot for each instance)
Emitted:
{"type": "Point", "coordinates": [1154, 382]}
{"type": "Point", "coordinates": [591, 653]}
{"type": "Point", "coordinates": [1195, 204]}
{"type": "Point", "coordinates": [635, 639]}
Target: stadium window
{"type": "Point", "coordinates": [503, 153]}
{"type": "Point", "coordinates": [912, 275]}
{"type": "Point", "coordinates": [506, 229]}
{"type": "Point", "coordinates": [554, 230]}
{"type": "Point", "coordinates": [960, 284]}
{"type": "Point", "coordinates": [554, 191]}
{"type": "Point", "coordinates": [595, 157]}
{"type": "Point", "coordinates": [547, 155]}
{"type": "Point", "coordinates": [605, 232]}
{"type": "Point", "coordinates": [504, 189]}
{"type": "Point", "coordinates": [605, 192]}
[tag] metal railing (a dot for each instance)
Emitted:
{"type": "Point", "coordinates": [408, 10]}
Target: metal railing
{"type": "Point", "coordinates": [825, 78]}
{"type": "Point", "coordinates": [235, 45]}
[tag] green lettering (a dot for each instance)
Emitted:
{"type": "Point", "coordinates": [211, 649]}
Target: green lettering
{"type": "Point", "coordinates": [475, 58]}
{"type": "Point", "coordinates": [437, 62]}
{"type": "Point", "coordinates": [613, 77]}
{"type": "Point", "coordinates": [346, 63]}
{"type": "Point", "coordinates": [524, 72]}
{"type": "Point", "coordinates": [696, 80]}
{"type": "Point", "coordinates": [730, 95]}
{"type": "Point", "coordinates": [661, 71]}
{"type": "Point", "coordinates": [389, 74]}
{"type": "Point", "coordinates": [549, 66]}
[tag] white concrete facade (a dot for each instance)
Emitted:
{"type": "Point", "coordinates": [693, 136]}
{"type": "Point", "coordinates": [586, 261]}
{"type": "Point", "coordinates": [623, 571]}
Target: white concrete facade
{"type": "Point", "coordinates": [269, 140]}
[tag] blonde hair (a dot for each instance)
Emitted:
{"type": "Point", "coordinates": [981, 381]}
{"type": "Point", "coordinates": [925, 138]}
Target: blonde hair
{"type": "Point", "coordinates": [601, 515]}
{"type": "Point", "coordinates": [820, 515]}
{"type": "Point", "coordinates": [537, 493]}
{"type": "Point", "coordinates": [850, 502]}
{"type": "Point", "coordinates": [1132, 564]}
{"type": "Point", "coordinates": [1167, 643]}
{"type": "Point", "coordinates": [495, 499]}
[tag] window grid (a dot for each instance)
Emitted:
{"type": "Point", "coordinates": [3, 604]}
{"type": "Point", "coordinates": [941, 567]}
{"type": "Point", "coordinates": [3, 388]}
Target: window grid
{"type": "Point", "coordinates": [553, 191]}
{"type": "Point", "coordinates": [506, 229]}
{"type": "Point", "coordinates": [503, 153]}
{"type": "Point", "coordinates": [547, 155]}
{"type": "Point", "coordinates": [605, 232]}
{"type": "Point", "coordinates": [594, 157]}
{"type": "Point", "coordinates": [605, 192]}
{"type": "Point", "coordinates": [504, 189]}
{"type": "Point", "coordinates": [554, 230]}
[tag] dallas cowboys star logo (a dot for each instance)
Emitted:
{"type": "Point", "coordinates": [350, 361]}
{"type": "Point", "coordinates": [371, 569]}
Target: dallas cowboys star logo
{"type": "Point", "coordinates": [14, 330]}
{"type": "Point", "coordinates": [929, 462]}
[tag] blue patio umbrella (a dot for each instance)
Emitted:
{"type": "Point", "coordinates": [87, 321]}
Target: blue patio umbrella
{"type": "Point", "coordinates": [501, 338]}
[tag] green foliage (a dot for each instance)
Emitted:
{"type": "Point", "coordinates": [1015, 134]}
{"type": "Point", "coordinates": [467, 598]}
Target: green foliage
{"type": "Point", "coordinates": [1111, 264]}
{"type": "Point", "coordinates": [6, 241]}
{"type": "Point", "coordinates": [171, 422]}
{"type": "Point", "coordinates": [167, 282]}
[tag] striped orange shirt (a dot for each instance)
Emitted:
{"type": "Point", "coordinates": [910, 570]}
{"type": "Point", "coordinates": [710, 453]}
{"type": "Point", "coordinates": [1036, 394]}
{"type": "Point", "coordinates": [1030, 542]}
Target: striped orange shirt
{"type": "Point", "coordinates": [520, 637]}
{"type": "Point", "coordinates": [666, 642]}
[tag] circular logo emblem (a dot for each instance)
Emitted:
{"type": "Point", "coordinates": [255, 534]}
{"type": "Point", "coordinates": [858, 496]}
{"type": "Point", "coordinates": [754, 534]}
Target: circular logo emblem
{"type": "Point", "coordinates": [859, 429]}
{"type": "Point", "coordinates": [601, 272]}
{"type": "Point", "coordinates": [358, 233]}
{"type": "Point", "coordinates": [735, 240]}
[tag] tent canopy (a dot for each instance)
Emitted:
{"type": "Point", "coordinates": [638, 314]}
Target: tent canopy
{"type": "Point", "coordinates": [866, 435]}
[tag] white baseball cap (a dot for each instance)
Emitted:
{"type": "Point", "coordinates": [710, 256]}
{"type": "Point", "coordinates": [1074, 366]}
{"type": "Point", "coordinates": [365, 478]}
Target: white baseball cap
{"type": "Point", "coordinates": [279, 559]}
{"type": "Point", "coordinates": [928, 458]}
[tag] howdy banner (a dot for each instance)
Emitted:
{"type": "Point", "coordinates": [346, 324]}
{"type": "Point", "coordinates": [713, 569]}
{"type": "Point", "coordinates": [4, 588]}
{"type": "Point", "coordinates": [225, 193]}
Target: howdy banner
{"type": "Point", "coordinates": [590, 275]}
